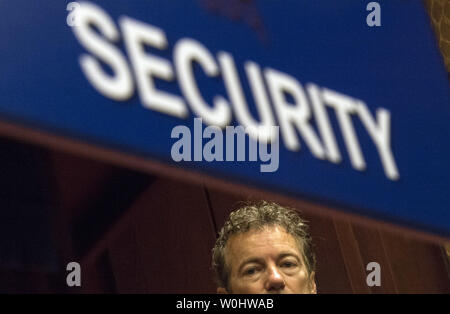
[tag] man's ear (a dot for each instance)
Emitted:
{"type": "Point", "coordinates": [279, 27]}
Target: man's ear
{"type": "Point", "coordinates": [312, 283]}
{"type": "Point", "coordinates": [222, 290]}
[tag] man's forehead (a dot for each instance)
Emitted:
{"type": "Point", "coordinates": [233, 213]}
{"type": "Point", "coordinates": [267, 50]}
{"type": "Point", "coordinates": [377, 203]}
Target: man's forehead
{"type": "Point", "coordinates": [267, 231]}
{"type": "Point", "coordinates": [242, 245]}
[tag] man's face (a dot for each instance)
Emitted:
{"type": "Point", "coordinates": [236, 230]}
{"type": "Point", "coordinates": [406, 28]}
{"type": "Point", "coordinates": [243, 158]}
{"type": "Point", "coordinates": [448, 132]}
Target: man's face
{"type": "Point", "coordinates": [266, 261]}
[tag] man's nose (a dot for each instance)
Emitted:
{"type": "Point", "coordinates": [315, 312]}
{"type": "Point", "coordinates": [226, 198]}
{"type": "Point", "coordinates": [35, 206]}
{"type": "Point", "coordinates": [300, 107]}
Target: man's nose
{"type": "Point", "coordinates": [275, 280]}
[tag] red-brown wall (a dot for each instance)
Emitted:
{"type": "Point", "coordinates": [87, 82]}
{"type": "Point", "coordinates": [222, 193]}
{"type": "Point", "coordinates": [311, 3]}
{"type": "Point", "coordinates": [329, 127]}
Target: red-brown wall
{"type": "Point", "coordinates": [135, 233]}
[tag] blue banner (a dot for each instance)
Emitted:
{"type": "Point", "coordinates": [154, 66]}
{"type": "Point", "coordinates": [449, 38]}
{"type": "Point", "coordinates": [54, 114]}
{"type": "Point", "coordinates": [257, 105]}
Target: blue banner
{"type": "Point", "coordinates": [342, 102]}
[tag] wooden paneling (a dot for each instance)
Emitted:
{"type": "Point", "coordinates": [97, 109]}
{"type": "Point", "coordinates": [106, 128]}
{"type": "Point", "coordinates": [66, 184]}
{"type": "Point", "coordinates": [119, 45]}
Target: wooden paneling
{"type": "Point", "coordinates": [16, 281]}
{"type": "Point", "coordinates": [136, 233]}
{"type": "Point", "coordinates": [331, 274]}
{"type": "Point", "coordinates": [127, 263]}
{"type": "Point", "coordinates": [97, 277]}
{"type": "Point", "coordinates": [417, 267]}
{"type": "Point", "coordinates": [343, 249]}
{"type": "Point", "coordinates": [354, 263]}
{"type": "Point", "coordinates": [371, 248]}
{"type": "Point", "coordinates": [24, 172]}
{"type": "Point", "coordinates": [172, 234]}
{"type": "Point", "coordinates": [76, 181]}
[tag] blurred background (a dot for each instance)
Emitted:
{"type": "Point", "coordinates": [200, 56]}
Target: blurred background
{"type": "Point", "coordinates": [60, 206]}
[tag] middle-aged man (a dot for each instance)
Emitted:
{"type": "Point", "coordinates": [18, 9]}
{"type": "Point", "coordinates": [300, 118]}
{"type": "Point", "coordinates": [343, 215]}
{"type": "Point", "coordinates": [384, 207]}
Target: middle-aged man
{"type": "Point", "coordinates": [264, 248]}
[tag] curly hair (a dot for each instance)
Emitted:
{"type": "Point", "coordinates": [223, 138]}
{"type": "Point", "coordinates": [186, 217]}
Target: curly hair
{"type": "Point", "coordinates": [257, 216]}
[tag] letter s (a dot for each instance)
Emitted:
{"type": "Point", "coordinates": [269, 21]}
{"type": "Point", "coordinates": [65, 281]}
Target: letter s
{"type": "Point", "coordinates": [119, 86]}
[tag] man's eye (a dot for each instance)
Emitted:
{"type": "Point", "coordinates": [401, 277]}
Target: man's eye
{"type": "Point", "coordinates": [288, 264]}
{"type": "Point", "coordinates": [251, 271]}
